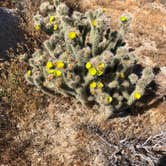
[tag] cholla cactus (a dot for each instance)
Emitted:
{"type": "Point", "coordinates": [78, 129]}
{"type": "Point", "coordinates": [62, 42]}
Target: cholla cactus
{"type": "Point", "coordinates": [83, 58]}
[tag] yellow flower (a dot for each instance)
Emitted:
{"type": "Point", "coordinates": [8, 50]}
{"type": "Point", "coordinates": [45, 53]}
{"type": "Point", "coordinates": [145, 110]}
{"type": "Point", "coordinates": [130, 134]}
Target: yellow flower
{"type": "Point", "coordinates": [93, 85]}
{"type": "Point", "coordinates": [37, 27]}
{"type": "Point", "coordinates": [52, 19]}
{"type": "Point", "coordinates": [137, 95]}
{"type": "Point", "coordinates": [60, 64]}
{"type": "Point", "coordinates": [29, 72]}
{"type": "Point", "coordinates": [99, 72]}
{"type": "Point", "coordinates": [49, 65]}
{"type": "Point", "coordinates": [94, 23]}
{"type": "Point", "coordinates": [100, 66]}
{"type": "Point", "coordinates": [50, 71]}
{"type": "Point", "coordinates": [92, 71]}
{"type": "Point", "coordinates": [72, 35]}
{"type": "Point", "coordinates": [57, 73]}
{"type": "Point", "coordinates": [55, 27]}
{"type": "Point", "coordinates": [100, 85]}
{"type": "Point", "coordinates": [88, 65]}
{"type": "Point", "coordinates": [123, 18]}
{"type": "Point", "coordinates": [109, 99]}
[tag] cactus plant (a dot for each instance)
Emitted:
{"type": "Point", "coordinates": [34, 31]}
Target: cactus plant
{"type": "Point", "coordinates": [85, 59]}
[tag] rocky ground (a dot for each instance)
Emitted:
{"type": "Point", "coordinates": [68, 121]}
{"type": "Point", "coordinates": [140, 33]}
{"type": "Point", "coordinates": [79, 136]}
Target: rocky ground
{"type": "Point", "coordinates": [37, 130]}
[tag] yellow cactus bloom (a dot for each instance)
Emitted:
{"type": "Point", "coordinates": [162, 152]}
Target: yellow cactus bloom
{"type": "Point", "coordinates": [93, 85]}
{"type": "Point", "coordinates": [137, 95]}
{"type": "Point", "coordinates": [50, 71]}
{"type": "Point", "coordinates": [60, 64]}
{"type": "Point", "coordinates": [37, 27]}
{"type": "Point", "coordinates": [94, 23]}
{"type": "Point", "coordinates": [88, 65]}
{"type": "Point", "coordinates": [92, 71]}
{"type": "Point", "coordinates": [100, 66]}
{"type": "Point", "coordinates": [57, 73]}
{"type": "Point", "coordinates": [109, 99]}
{"type": "Point", "coordinates": [55, 27]}
{"type": "Point", "coordinates": [29, 72]}
{"type": "Point", "coordinates": [72, 35]}
{"type": "Point", "coordinates": [123, 18]}
{"type": "Point", "coordinates": [49, 65]}
{"type": "Point", "coordinates": [100, 85]}
{"type": "Point", "coordinates": [99, 72]}
{"type": "Point", "coordinates": [52, 19]}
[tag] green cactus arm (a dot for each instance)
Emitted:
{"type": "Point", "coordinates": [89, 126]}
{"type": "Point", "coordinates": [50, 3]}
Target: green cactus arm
{"type": "Point", "coordinates": [113, 84]}
{"type": "Point", "coordinates": [147, 77]}
{"type": "Point", "coordinates": [38, 83]}
{"type": "Point", "coordinates": [115, 40]}
{"type": "Point", "coordinates": [133, 78]}
{"type": "Point", "coordinates": [125, 94]}
{"type": "Point", "coordinates": [82, 96]}
{"type": "Point", "coordinates": [124, 22]}
{"type": "Point", "coordinates": [49, 47]}
{"type": "Point", "coordinates": [94, 34]}
{"type": "Point", "coordinates": [29, 79]}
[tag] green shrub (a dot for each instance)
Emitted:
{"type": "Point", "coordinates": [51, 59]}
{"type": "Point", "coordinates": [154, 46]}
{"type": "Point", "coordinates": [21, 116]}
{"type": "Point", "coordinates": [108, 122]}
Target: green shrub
{"type": "Point", "coordinates": [85, 59]}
